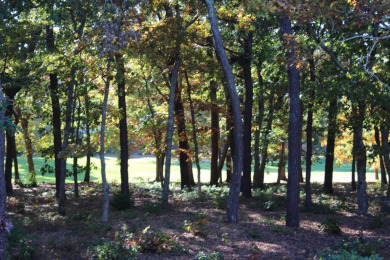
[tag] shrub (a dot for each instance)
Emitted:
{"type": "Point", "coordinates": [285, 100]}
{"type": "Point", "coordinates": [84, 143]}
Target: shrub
{"type": "Point", "coordinates": [122, 201]}
{"type": "Point", "coordinates": [156, 242]}
{"type": "Point", "coordinates": [19, 244]}
{"type": "Point", "coordinates": [209, 256]}
{"type": "Point", "coordinates": [197, 225]}
{"type": "Point", "coordinates": [152, 207]}
{"type": "Point", "coordinates": [330, 226]}
{"type": "Point", "coordinates": [376, 223]}
{"type": "Point", "coordinates": [119, 249]}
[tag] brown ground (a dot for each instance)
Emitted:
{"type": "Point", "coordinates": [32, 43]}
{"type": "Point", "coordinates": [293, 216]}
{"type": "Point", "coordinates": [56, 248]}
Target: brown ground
{"type": "Point", "coordinates": [260, 234]}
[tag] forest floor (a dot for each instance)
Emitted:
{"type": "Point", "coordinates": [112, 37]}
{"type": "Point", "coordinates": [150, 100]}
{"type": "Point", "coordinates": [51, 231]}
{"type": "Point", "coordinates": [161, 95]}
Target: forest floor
{"type": "Point", "coordinates": [194, 227]}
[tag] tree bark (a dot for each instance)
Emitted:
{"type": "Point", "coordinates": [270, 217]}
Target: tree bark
{"type": "Point", "coordinates": [67, 132]}
{"type": "Point", "coordinates": [309, 135]}
{"type": "Point", "coordinates": [259, 119]}
{"type": "Point", "coordinates": [380, 156]}
{"type": "Point", "coordinates": [215, 174]}
{"type": "Point", "coordinates": [124, 143]}
{"type": "Point", "coordinates": [361, 158]}
{"type": "Point", "coordinates": [330, 145]}
{"type": "Point", "coordinates": [3, 192]}
{"type": "Point", "coordinates": [56, 111]}
{"type": "Point", "coordinates": [246, 60]}
{"type": "Point", "coordinates": [234, 191]}
{"type": "Point", "coordinates": [187, 177]}
{"type": "Point", "coordinates": [105, 185]}
{"type": "Point", "coordinates": [194, 131]}
{"type": "Point", "coordinates": [295, 124]}
{"type": "Point", "coordinates": [87, 175]}
{"type": "Point", "coordinates": [386, 154]}
{"type": "Point", "coordinates": [27, 141]}
{"type": "Point", "coordinates": [282, 163]}
{"type": "Point", "coordinates": [170, 126]}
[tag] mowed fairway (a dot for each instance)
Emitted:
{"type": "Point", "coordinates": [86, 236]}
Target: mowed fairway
{"type": "Point", "coordinates": [143, 168]}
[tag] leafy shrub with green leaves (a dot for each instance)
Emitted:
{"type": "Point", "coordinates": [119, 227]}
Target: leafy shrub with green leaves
{"type": "Point", "coordinates": [121, 248]}
{"type": "Point", "coordinates": [155, 241]}
{"type": "Point", "coordinates": [19, 244]}
{"type": "Point", "coordinates": [209, 256]}
{"type": "Point", "coordinates": [348, 255]}
{"type": "Point", "coordinates": [197, 225]}
{"type": "Point", "coordinates": [152, 207]}
{"type": "Point", "coordinates": [122, 201]}
{"type": "Point", "coordinates": [330, 226]}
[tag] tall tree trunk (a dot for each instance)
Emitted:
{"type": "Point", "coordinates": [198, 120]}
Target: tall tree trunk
{"type": "Point", "coordinates": [27, 141]}
{"type": "Point", "coordinates": [386, 154]}
{"type": "Point", "coordinates": [87, 175]}
{"type": "Point", "coordinates": [214, 172]}
{"type": "Point", "coordinates": [265, 141]}
{"type": "Point", "coordinates": [194, 131]}
{"type": "Point", "coordinates": [67, 132]}
{"type": "Point", "coordinates": [76, 140]}
{"type": "Point", "coordinates": [295, 124]}
{"type": "Point", "coordinates": [361, 158]}
{"type": "Point", "coordinates": [124, 143]}
{"type": "Point", "coordinates": [380, 156]}
{"type": "Point", "coordinates": [9, 158]}
{"type": "Point", "coordinates": [247, 135]}
{"type": "Point", "coordinates": [170, 125]}
{"type": "Point", "coordinates": [353, 182]}
{"type": "Point", "coordinates": [309, 135]}
{"type": "Point", "coordinates": [56, 111]}
{"type": "Point", "coordinates": [223, 156]}
{"type": "Point", "coordinates": [330, 145]}
{"type": "Point", "coordinates": [234, 191]}
{"type": "Point", "coordinates": [259, 122]}
{"type": "Point", "coordinates": [105, 185]}
{"type": "Point", "coordinates": [187, 178]}
{"type": "Point", "coordinates": [282, 163]}
{"type": "Point", "coordinates": [3, 192]}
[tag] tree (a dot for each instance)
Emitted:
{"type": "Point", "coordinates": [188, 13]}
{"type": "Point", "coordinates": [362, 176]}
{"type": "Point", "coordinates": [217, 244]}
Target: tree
{"type": "Point", "coordinates": [234, 191]}
{"type": "Point", "coordinates": [295, 123]}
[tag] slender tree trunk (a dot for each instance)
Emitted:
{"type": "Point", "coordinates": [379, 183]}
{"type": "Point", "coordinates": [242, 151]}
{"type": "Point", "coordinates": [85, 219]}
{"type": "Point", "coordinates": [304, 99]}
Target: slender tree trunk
{"type": "Point", "coordinates": [361, 158]}
{"type": "Point", "coordinates": [229, 167]}
{"type": "Point", "coordinates": [75, 159]}
{"type": "Point", "coordinates": [15, 159]}
{"type": "Point", "coordinates": [260, 116]}
{"type": "Point", "coordinates": [87, 175]}
{"type": "Point", "coordinates": [187, 178]}
{"type": "Point", "coordinates": [105, 185]}
{"type": "Point", "coordinates": [194, 131]}
{"type": "Point", "coordinates": [8, 161]}
{"type": "Point", "coordinates": [223, 156]}
{"type": "Point", "coordinates": [215, 174]}
{"type": "Point", "coordinates": [309, 136]}
{"type": "Point", "coordinates": [247, 131]}
{"type": "Point", "coordinates": [56, 111]}
{"type": "Point", "coordinates": [264, 148]}
{"type": "Point", "coordinates": [27, 141]}
{"type": "Point", "coordinates": [124, 143]}
{"type": "Point", "coordinates": [67, 131]}
{"type": "Point", "coordinates": [282, 163]}
{"type": "Point", "coordinates": [353, 182]}
{"type": "Point", "coordinates": [386, 154]}
{"type": "Point", "coordinates": [170, 126]}
{"type": "Point", "coordinates": [330, 145]}
{"type": "Point", "coordinates": [3, 192]}
{"type": "Point", "coordinates": [380, 156]}
{"type": "Point", "coordinates": [234, 192]}
{"type": "Point", "coordinates": [295, 125]}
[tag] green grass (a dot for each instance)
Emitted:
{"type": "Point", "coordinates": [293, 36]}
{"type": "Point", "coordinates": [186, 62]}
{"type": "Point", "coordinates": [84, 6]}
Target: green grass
{"type": "Point", "coordinates": [143, 169]}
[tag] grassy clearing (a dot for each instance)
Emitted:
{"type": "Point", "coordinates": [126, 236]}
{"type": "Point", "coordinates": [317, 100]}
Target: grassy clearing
{"type": "Point", "coordinates": [143, 169]}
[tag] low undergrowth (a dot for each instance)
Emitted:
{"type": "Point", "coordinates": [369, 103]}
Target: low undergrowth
{"type": "Point", "coordinates": [194, 227]}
